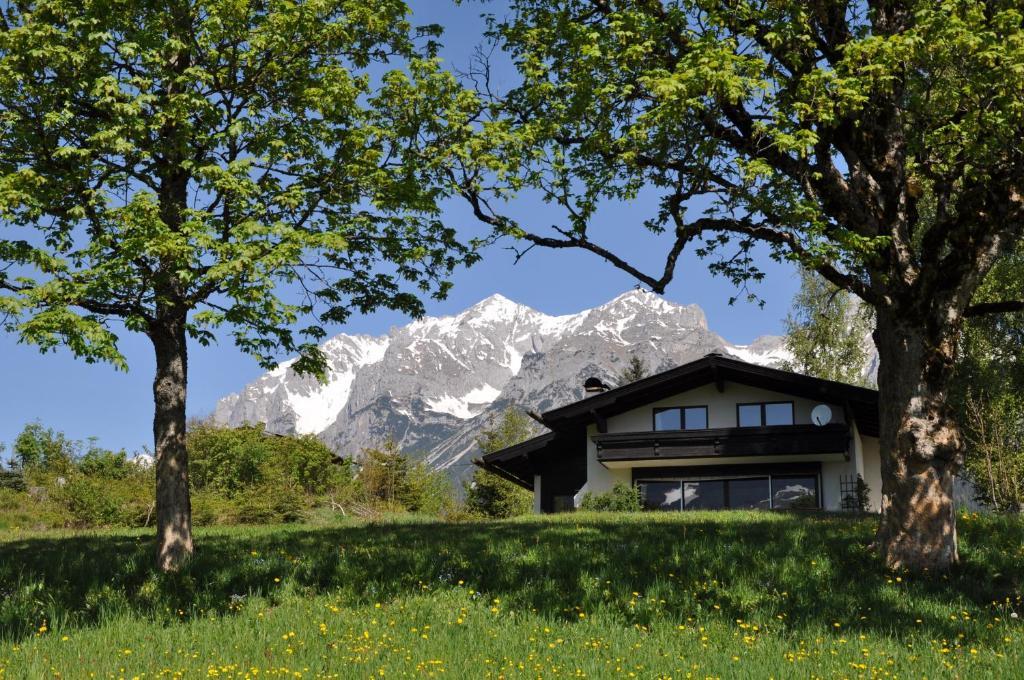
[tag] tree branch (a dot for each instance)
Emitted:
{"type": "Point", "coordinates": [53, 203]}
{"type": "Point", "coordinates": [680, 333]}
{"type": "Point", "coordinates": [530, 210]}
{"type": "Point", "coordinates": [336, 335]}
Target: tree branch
{"type": "Point", "coordinates": [1001, 307]}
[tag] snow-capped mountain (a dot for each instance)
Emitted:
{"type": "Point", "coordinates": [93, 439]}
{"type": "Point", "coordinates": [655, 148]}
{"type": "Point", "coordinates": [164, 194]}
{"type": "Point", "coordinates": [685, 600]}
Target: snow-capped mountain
{"type": "Point", "coordinates": [433, 384]}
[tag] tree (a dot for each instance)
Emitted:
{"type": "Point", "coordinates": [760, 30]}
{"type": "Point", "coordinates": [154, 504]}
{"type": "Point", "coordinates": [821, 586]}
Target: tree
{"type": "Point", "coordinates": [43, 448]}
{"type": "Point", "coordinates": [384, 473]}
{"type": "Point", "coordinates": [167, 168]}
{"type": "Point", "coordinates": [634, 370]}
{"type": "Point", "coordinates": [875, 143]}
{"type": "Point", "coordinates": [486, 492]}
{"type": "Point", "coordinates": [988, 384]}
{"type": "Point", "coordinates": [994, 432]}
{"type": "Point", "coordinates": [827, 331]}
{"type": "Point", "coordinates": [388, 476]}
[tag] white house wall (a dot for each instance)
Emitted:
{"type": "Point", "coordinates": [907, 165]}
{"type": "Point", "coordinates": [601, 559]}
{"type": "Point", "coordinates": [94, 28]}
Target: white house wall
{"type": "Point", "coordinates": [872, 472]}
{"type": "Point", "coordinates": [722, 413]}
{"type": "Point", "coordinates": [721, 407]}
{"type": "Point", "coordinates": [599, 478]}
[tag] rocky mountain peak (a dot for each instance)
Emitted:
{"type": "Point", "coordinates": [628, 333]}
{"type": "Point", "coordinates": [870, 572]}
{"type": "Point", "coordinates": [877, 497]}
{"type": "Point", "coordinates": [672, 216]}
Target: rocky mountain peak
{"type": "Point", "coordinates": [433, 383]}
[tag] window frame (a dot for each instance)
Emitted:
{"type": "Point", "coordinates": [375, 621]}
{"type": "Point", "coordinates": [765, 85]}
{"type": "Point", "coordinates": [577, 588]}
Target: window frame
{"type": "Point", "coordinates": [682, 418]}
{"type": "Point", "coordinates": [764, 412]}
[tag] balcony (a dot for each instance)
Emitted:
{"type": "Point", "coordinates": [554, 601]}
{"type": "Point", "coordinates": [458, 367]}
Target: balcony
{"type": "Point", "coordinates": [680, 447]}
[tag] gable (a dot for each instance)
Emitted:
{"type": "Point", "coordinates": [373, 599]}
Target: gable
{"type": "Point", "coordinates": [721, 406]}
{"type": "Point", "coordinates": [715, 371]}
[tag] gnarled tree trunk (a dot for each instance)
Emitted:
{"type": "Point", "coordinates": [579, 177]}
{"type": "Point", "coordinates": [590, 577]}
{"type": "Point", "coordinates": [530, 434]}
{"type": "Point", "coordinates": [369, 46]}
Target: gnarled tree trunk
{"type": "Point", "coordinates": [173, 504]}
{"type": "Point", "coordinates": [920, 441]}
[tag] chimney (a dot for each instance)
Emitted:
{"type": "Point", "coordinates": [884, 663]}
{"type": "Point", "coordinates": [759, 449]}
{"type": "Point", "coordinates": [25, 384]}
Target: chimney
{"type": "Point", "coordinates": [592, 386]}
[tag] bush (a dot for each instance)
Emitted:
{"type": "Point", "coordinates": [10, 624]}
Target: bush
{"type": "Point", "coordinates": [211, 508]}
{"type": "Point", "coordinates": [622, 498]}
{"type": "Point", "coordinates": [270, 503]}
{"type": "Point", "coordinates": [232, 460]}
{"type": "Point", "coordinates": [87, 502]}
{"type": "Point", "coordinates": [98, 502]}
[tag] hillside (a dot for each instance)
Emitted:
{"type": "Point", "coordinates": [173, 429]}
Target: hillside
{"type": "Point", "coordinates": [434, 383]}
{"type": "Point", "coordinates": [652, 595]}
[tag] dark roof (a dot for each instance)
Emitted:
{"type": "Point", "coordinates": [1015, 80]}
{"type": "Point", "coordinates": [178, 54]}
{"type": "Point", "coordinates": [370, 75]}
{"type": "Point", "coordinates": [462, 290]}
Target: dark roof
{"type": "Point", "coordinates": [715, 368]}
{"type": "Point", "coordinates": [514, 463]}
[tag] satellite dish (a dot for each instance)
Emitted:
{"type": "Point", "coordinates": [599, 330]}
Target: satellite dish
{"type": "Point", "coordinates": [821, 415]}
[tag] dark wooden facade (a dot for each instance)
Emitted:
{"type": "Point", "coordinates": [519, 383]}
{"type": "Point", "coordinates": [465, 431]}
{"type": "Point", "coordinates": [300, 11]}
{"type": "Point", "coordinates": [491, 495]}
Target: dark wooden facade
{"type": "Point", "coordinates": [724, 442]}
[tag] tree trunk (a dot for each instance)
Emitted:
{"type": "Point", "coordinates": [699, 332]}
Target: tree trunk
{"type": "Point", "coordinates": [920, 441]}
{"type": "Point", "coordinates": [173, 504]}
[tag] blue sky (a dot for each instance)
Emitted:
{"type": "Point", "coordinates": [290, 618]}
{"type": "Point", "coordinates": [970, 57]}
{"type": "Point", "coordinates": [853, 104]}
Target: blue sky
{"type": "Point", "coordinates": [115, 407]}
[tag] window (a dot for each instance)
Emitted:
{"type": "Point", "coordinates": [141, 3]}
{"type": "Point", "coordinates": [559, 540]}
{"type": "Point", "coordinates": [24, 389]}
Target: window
{"type": "Point", "coordinates": [704, 495]}
{"type": "Point", "coordinates": [696, 417]}
{"type": "Point", "coordinates": [661, 495]}
{"type": "Point", "coordinates": [767, 413]}
{"type": "Point", "coordinates": [795, 492]}
{"type": "Point", "coordinates": [677, 418]}
{"type": "Point", "coordinates": [668, 419]}
{"type": "Point", "coordinates": [749, 494]}
{"type": "Point", "coordinates": [778, 414]}
{"type": "Point", "coordinates": [749, 415]}
{"type": "Point", "coordinates": [744, 493]}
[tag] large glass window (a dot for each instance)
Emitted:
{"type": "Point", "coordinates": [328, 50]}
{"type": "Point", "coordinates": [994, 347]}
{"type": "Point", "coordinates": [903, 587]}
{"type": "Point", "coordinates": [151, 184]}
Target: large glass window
{"type": "Point", "coordinates": [704, 495]}
{"type": "Point", "coordinates": [689, 418]}
{"type": "Point", "coordinates": [795, 492]}
{"type": "Point", "coordinates": [757, 493]}
{"type": "Point", "coordinates": [661, 495]}
{"type": "Point", "coordinates": [749, 494]}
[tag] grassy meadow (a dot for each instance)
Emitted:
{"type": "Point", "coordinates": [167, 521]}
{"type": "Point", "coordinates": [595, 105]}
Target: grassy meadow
{"type": "Point", "coordinates": [691, 595]}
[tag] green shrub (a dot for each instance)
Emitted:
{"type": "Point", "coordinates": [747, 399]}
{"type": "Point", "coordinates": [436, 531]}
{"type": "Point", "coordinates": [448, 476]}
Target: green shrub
{"type": "Point", "coordinates": [622, 498]}
{"type": "Point", "coordinates": [87, 501]}
{"type": "Point", "coordinates": [210, 508]}
{"type": "Point", "coordinates": [270, 504]}
{"type": "Point", "coordinates": [12, 479]}
{"type": "Point", "coordinates": [231, 460]}
{"type": "Point", "coordinates": [98, 502]}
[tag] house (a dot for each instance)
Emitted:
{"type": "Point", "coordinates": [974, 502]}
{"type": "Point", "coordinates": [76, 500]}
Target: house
{"type": "Point", "coordinates": [713, 433]}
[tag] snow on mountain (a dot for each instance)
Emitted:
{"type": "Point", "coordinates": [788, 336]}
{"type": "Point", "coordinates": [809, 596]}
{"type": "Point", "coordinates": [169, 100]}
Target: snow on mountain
{"type": "Point", "coordinates": [434, 383]}
{"type": "Point", "coordinates": [289, 402]}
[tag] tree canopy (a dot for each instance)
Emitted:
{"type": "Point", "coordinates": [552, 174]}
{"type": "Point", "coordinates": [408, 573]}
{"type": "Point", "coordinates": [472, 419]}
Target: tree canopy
{"type": "Point", "coordinates": [828, 332]}
{"type": "Point", "coordinates": [875, 143]}
{"type": "Point", "coordinates": [172, 168]}
{"type": "Point", "coordinates": [199, 155]}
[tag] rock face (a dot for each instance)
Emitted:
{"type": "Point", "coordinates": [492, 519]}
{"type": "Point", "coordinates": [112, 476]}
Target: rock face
{"type": "Point", "coordinates": [433, 384]}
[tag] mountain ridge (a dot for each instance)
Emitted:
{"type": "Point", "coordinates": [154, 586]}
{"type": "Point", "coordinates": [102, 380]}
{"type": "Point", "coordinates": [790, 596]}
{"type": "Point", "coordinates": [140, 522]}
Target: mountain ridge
{"type": "Point", "coordinates": [435, 382]}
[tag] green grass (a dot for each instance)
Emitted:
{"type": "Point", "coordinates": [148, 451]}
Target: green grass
{"type": "Point", "coordinates": [730, 595]}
